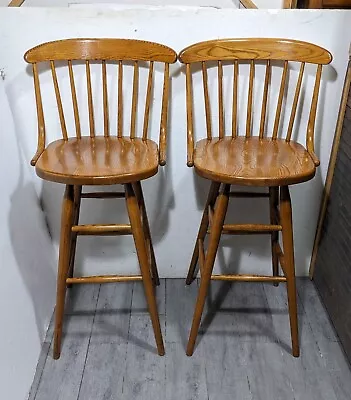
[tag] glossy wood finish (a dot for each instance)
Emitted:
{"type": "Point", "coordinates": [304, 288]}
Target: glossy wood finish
{"type": "Point", "coordinates": [98, 161]}
{"type": "Point", "coordinates": [214, 237]}
{"type": "Point", "coordinates": [288, 247]}
{"type": "Point", "coordinates": [150, 248]}
{"type": "Point", "coordinates": [257, 49]}
{"type": "Point", "coordinates": [102, 158]}
{"type": "Point", "coordinates": [253, 161]}
{"type": "Point", "coordinates": [249, 51]}
{"type": "Point", "coordinates": [73, 245]}
{"type": "Point", "coordinates": [100, 49]}
{"type": "Point", "coordinates": [274, 219]}
{"type": "Point", "coordinates": [212, 196]}
{"type": "Point", "coordinates": [263, 159]}
{"type": "Point", "coordinates": [63, 266]}
{"type": "Point", "coordinates": [103, 51]}
{"type": "Point", "coordinates": [134, 213]}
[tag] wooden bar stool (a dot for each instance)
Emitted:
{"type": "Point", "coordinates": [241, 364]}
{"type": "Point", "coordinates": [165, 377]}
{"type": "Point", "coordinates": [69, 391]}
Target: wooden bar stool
{"type": "Point", "coordinates": [264, 160]}
{"type": "Point", "coordinates": [113, 157]}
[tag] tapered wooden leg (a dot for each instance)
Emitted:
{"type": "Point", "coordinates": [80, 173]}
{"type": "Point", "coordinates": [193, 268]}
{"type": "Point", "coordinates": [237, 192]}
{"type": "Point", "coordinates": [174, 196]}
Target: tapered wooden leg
{"type": "Point", "coordinates": [140, 243]}
{"type": "Point", "coordinates": [76, 210]}
{"type": "Point", "coordinates": [214, 237]}
{"type": "Point", "coordinates": [139, 194]}
{"type": "Point", "coordinates": [211, 199]}
{"type": "Point", "coordinates": [273, 206]}
{"type": "Point", "coordinates": [65, 242]}
{"type": "Point", "coordinates": [288, 249]}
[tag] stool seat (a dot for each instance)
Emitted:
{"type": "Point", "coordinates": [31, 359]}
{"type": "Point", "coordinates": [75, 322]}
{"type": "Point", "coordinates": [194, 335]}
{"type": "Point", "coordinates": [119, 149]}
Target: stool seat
{"type": "Point", "coordinates": [98, 161]}
{"type": "Point", "coordinates": [253, 161]}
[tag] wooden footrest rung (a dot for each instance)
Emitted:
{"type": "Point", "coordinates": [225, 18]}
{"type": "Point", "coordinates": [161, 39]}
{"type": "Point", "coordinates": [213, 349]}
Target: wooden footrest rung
{"type": "Point", "coordinates": [249, 229]}
{"type": "Point", "coordinates": [248, 194]}
{"type": "Point", "coordinates": [103, 195]}
{"type": "Point", "coordinates": [104, 279]}
{"type": "Point", "coordinates": [108, 229]}
{"type": "Point", "coordinates": [248, 278]}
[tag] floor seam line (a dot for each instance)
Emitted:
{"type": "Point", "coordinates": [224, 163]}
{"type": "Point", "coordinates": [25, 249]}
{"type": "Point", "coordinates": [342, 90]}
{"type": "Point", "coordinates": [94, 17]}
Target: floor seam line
{"type": "Point", "coordinates": [129, 322]}
{"type": "Point", "coordinates": [91, 332]}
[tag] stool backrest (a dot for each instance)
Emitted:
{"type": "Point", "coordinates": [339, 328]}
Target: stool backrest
{"type": "Point", "coordinates": [252, 52]}
{"type": "Point", "coordinates": [103, 51]}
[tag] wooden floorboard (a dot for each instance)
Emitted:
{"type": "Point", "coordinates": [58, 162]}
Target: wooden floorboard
{"type": "Point", "coordinates": [61, 379]}
{"type": "Point", "coordinates": [242, 352]}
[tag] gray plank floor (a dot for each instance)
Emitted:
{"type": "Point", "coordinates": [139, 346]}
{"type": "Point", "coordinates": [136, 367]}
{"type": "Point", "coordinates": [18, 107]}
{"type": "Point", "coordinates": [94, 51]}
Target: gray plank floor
{"type": "Point", "coordinates": [243, 349]}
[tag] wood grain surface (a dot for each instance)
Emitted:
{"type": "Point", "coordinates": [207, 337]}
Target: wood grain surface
{"type": "Point", "coordinates": [98, 161]}
{"type": "Point", "coordinates": [253, 161]}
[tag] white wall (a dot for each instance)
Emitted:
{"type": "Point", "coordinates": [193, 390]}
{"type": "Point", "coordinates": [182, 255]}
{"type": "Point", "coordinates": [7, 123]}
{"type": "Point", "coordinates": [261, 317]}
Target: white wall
{"type": "Point", "coordinates": [27, 259]}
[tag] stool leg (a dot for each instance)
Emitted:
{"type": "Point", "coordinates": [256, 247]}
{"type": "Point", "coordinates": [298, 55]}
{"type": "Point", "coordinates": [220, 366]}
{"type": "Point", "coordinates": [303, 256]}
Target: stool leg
{"type": "Point", "coordinates": [76, 211]}
{"type": "Point", "coordinates": [139, 194]}
{"type": "Point", "coordinates": [211, 199]}
{"type": "Point", "coordinates": [215, 234]}
{"type": "Point", "coordinates": [65, 241]}
{"type": "Point", "coordinates": [288, 249]}
{"type": "Point", "coordinates": [273, 203]}
{"type": "Point", "coordinates": [140, 244]}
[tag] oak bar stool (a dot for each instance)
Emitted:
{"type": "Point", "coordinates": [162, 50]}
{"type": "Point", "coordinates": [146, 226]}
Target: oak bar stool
{"type": "Point", "coordinates": [114, 157]}
{"type": "Point", "coordinates": [264, 160]}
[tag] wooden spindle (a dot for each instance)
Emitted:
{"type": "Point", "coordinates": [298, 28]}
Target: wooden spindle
{"type": "Point", "coordinates": [220, 100]}
{"type": "Point", "coordinates": [134, 100]}
{"type": "Point", "coordinates": [59, 101]}
{"type": "Point", "coordinates": [40, 113]}
{"type": "Point", "coordinates": [105, 100]}
{"type": "Point", "coordinates": [250, 99]}
{"type": "Point", "coordinates": [207, 101]}
{"type": "Point", "coordinates": [148, 100]}
{"type": "Point", "coordinates": [74, 100]}
{"type": "Point", "coordinates": [280, 101]}
{"type": "Point", "coordinates": [120, 100]}
{"type": "Point", "coordinates": [90, 100]}
{"type": "Point", "coordinates": [163, 128]}
{"type": "Point", "coordinates": [295, 101]}
{"type": "Point", "coordinates": [267, 80]}
{"type": "Point", "coordinates": [189, 117]}
{"type": "Point", "coordinates": [312, 116]}
{"type": "Point", "coordinates": [235, 99]}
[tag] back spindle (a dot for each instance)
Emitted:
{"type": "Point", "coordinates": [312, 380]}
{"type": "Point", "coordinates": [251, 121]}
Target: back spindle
{"type": "Point", "coordinates": [295, 101]}
{"type": "Point", "coordinates": [74, 100]}
{"type": "Point", "coordinates": [134, 99]}
{"type": "Point", "coordinates": [105, 100]}
{"type": "Point", "coordinates": [164, 111]}
{"type": "Point", "coordinates": [207, 101]}
{"type": "Point", "coordinates": [267, 80]}
{"type": "Point", "coordinates": [235, 99]}
{"type": "Point", "coordinates": [189, 117]}
{"type": "Point", "coordinates": [58, 101]}
{"type": "Point", "coordinates": [120, 100]}
{"type": "Point", "coordinates": [250, 99]}
{"type": "Point", "coordinates": [220, 100]}
{"type": "Point", "coordinates": [148, 100]}
{"type": "Point", "coordinates": [280, 101]}
{"type": "Point", "coordinates": [90, 100]}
